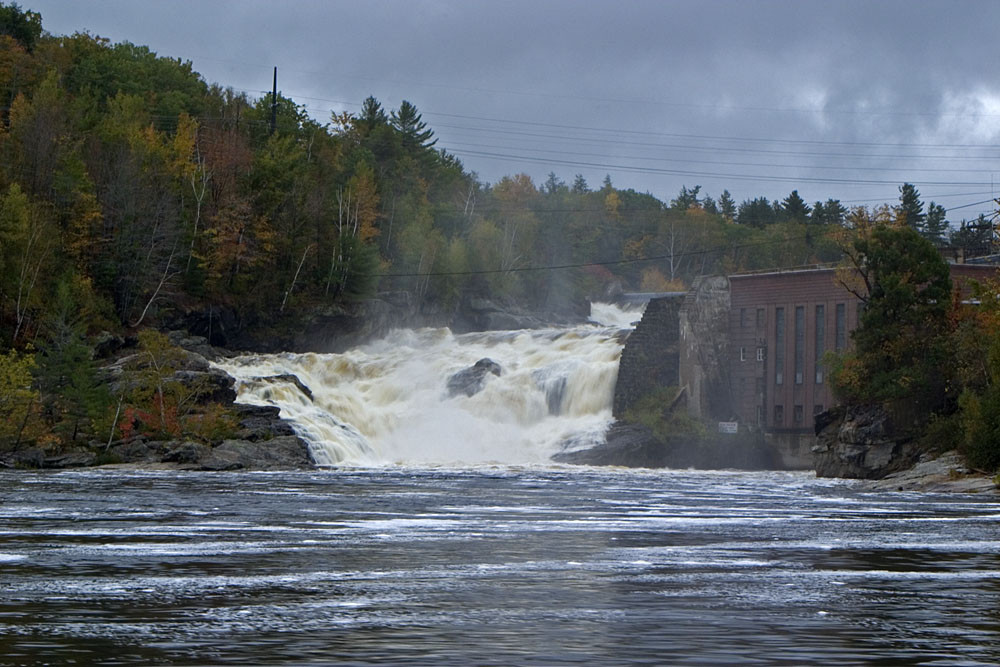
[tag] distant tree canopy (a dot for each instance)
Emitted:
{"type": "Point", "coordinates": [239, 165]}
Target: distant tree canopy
{"type": "Point", "coordinates": [24, 27]}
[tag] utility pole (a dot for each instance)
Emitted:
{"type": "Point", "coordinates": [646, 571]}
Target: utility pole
{"type": "Point", "coordinates": [274, 100]}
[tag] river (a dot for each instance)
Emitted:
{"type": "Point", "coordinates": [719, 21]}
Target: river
{"type": "Point", "coordinates": [491, 565]}
{"type": "Point", "coordinates": [437, 531]}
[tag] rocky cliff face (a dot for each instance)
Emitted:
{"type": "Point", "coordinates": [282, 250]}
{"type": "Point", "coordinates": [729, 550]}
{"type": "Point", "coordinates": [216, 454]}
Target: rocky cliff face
{"type": "Point", "coordinates": [650, 359]}
{"type": "Point", "coordinates": [861, 442]}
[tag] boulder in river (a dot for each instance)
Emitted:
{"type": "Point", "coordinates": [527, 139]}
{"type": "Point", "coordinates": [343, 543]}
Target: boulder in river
{"type": "Point", "coordinates": [470, 381]}
{"type": "Point", "coordinates": [288, 378]}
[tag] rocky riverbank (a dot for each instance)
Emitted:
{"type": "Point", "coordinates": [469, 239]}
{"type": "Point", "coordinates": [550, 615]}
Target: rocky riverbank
{"type": "Point", "coordinates": [945, 473]}
{"type": "Point", "coordinates": [230, 436]}
{"type": "Point", "coordinates": [865, 442]}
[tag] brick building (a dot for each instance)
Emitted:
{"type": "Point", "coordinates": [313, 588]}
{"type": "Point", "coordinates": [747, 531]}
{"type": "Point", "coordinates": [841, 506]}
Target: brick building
{"type": "Point", "coordinates": [781, 323]}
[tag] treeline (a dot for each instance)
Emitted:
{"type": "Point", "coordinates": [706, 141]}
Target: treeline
{"type": "Point", "coordinates": [143, 194]}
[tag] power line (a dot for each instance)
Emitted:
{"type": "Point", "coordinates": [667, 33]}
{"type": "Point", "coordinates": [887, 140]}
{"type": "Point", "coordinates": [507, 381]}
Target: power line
{"type": "Point", "coordinates": [618, 262]}
{"type": "Point", "coordinates": [725, 149]}
{"type": "Point", "coordinates": [706, 174]}
{"type": "Point", "coordinates": [718, 162]}
{"type": "Point", "coordinates": [566, 126]}
{"type": "Point", "coordinates": [977, 203]}
{"type": "Point", "coordinates": [712, 137]}
{"type": "Point", "coordinates": [632, 101]}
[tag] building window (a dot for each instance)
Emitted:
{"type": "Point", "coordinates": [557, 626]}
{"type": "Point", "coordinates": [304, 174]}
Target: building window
{"type": "Point", "coordinates": [779, 415]}
{"type": "Point", "coordinates": [841, 341]}
{"type": "Point", "coordinates": [797, 414]}
{"type": "Point", "coordinates": [779, 345]}
{"type": "Point", "coordinates": [743, 354]}
{"type": "Point", "coordinates": [760, 415]}
{"type": "Point", "coordinates": [760, 354]}
{"type": "Point", "coordinates": [760, 318]}
{"type": "Point", "coordinates": [820, 341]}
{"type": "Point", "coordinates": [743, 318]}
{"type": "Point", "coordinates": [818, 408]}
{"type": "Point", "coordinates": [800, 342]}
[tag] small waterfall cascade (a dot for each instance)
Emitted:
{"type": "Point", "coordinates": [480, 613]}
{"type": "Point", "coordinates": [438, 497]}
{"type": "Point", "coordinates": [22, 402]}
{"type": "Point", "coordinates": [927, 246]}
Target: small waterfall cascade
{"type": "Point", "coordinates": [615, 315]}
{"type": "Point", "coordinates": [387, 402]}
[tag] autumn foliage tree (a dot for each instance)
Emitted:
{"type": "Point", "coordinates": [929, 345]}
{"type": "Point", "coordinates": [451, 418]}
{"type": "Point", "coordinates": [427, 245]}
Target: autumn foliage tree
{"type": "Point", "coordinates": [901, 342]}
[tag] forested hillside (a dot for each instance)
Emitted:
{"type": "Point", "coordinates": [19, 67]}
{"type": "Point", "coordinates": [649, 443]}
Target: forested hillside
{"type": "Point", "coordinates": [135, 193]}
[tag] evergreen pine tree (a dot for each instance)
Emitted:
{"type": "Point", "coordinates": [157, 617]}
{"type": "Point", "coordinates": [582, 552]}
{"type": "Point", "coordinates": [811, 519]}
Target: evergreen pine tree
{"type": "Point", "coordinates": [727, 206]}
{"type": "Point", "coordinates": [910, 210]}
{"type": "Point", "coordinates": [415, 133]}
{"type": "Point", "coordinates": [371, 115]}
{"type": "Point", "coordinates": [935, 224]}
{"type": "Point", "coordinates": [686, 198]}
{"type": "Point", "coordinates": [794, 208]}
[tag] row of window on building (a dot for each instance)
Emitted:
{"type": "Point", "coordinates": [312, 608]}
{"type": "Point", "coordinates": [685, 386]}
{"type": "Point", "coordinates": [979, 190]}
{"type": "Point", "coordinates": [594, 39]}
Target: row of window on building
{"type": "Point", "coordinates": [840, 339]}
{"type": "Point", "coordinates": [798, 414]}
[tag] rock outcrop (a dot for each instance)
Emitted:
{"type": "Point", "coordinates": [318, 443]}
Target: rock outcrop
{"type": "Point", "coordinates": [650, 359]}
{"type": "Point", "coordinates": [636, 446]}
{"type": "Point", "coordinates": [470, 381]}
{"type": "Point", "coordinates": [203, 382]}
{"type": "Point", "coordinates": [287, 378]}
{"type": "Point", "coordinates": [261, 440]}
{"type": "Point", "coordinates": [282, 453]}
{"type": "Point", "coordinates": [945, 472]}
{"type": "Point", "coordinates": [261, 422]}
{"type": "Point", "coordinates": [627, 445]}
{"type": "Point", "coordinates": [861, 442]}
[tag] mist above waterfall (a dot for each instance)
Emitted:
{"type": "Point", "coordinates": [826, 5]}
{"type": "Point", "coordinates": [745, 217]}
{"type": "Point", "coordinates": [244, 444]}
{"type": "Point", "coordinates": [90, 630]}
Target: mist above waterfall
{"type": "Point", "coordinates": [387, 402]}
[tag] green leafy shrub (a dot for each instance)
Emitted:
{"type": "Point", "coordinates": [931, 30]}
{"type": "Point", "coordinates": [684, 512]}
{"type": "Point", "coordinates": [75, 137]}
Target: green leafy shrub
{"type": "Point", "coordinates": [655, 412]}
{"type": "Point", "coordinates": [980, 418]}
{"type": "Point", "coordinates": [18, 399]}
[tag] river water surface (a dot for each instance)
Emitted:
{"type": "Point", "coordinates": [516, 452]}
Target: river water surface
{"type": "Point", "coordinates": [491, 565]}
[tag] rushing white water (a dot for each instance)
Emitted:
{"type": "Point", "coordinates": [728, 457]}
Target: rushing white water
{"type": "Point", "coordinates": [388, 403]}
{"type": "Point", "coordinates": [613, 315]}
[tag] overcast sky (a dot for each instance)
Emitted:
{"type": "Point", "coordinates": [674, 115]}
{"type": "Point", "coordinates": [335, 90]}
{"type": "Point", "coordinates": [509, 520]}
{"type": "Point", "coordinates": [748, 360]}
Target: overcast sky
{"type": "Point", "coordinates": [844, 99]}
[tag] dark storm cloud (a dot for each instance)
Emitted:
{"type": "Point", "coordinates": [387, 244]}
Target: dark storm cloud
{"type": "Point", "coordinates": [786, 72]}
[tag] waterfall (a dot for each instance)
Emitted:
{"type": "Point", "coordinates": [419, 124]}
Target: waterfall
{"type": "Point", "coordinates": [387, 402]}
{"type": "Point", "coordinates": [614, 315]}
